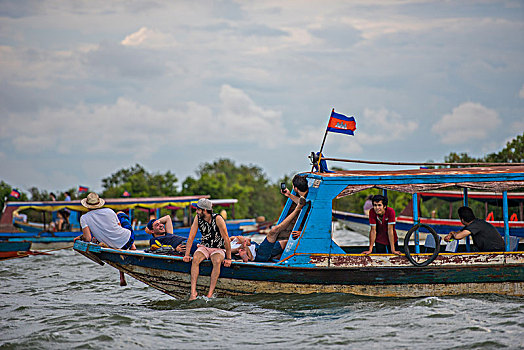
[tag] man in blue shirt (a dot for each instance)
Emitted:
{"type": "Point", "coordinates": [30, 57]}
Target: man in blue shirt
{"type": "Point", "coordinates": [162, 231]}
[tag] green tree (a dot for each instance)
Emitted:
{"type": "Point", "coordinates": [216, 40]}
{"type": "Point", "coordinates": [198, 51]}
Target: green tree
{"type": "Point", "coordinates": [513, 152]}
{"type": "Point", "coordinates": [247, 183]}
{"type": "Point", "coordinates": [5, 191]}
{"type": "Point", "coordinates": [139, 183]}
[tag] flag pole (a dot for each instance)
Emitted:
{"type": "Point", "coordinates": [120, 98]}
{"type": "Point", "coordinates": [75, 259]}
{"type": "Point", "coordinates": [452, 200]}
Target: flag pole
{"type": "Point", "coordinates": [322, 146]}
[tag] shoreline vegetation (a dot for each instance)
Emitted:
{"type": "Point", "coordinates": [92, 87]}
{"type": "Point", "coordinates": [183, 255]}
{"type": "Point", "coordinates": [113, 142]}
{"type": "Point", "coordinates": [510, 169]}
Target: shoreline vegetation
{"type": "Point", "coordinates": [223, 178]}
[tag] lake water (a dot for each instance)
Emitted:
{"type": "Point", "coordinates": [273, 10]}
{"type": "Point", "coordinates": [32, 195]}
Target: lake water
{"type": "Point", "coordinates": [65, 301]}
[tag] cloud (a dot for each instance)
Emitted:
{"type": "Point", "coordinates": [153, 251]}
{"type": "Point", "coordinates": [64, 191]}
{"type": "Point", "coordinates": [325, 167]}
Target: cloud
{"type": "Point", "coordinates": [114, 60]}
{"type": "Point", "coordinates": [382, 126]}
{"type": "Point", "coordinates": [521, 92]}
{"type": "Point", "coordinates": [469, 121]}
{"type": "Point", "coordinates": [149, 38]}
{"type": "Point", "coordinates": [137, 130]}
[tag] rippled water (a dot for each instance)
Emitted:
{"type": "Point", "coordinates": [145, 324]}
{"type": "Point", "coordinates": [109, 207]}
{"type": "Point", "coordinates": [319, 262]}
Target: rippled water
{"type": "Point", "coordinates": [65, 301]}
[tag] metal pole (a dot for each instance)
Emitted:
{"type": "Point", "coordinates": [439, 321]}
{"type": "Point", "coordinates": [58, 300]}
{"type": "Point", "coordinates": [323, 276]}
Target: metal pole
{"type": "Point", "coordinates": [505, 214]}
{"type": "Point", "coordinates": [465, 201]}
{"type": "Point", "coordinates": [416, 221]}
{"type": "Point", "coordinates": [422, 164]}
{"type": "Point", "coordinates": [323, 142]}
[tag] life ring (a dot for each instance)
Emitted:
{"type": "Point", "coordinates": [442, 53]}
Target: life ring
{"type": "Point", "coordinates": [436, 237]}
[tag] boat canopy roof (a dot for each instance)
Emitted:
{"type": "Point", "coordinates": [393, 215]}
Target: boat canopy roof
{"type": "Point", "coordinates": [121, 203]}
{"type": "Point", "coordinates": [496, 178]}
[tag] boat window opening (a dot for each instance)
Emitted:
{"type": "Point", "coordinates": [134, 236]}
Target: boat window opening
{"type": "Point", "coordinates": [304, 218]}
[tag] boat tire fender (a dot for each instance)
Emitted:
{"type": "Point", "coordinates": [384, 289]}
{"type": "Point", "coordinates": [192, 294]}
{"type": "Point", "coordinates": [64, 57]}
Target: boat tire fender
{"type": "Point", "coordinates": [436, 237]}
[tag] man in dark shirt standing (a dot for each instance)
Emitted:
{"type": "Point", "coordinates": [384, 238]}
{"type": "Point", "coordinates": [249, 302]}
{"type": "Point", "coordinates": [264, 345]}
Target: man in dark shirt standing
{"type": "Point", "coordinates": [485, 237]}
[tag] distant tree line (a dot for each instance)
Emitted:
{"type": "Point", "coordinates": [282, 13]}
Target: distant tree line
{"type": "Point", "coordinates": [257, 195]}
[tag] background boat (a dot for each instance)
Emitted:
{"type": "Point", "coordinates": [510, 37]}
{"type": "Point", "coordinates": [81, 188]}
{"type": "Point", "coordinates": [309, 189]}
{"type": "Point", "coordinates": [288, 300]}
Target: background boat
{"type": "Point", "coordinates": [44, 237]}
{"type": "Point", "coordinates": [12, 249]}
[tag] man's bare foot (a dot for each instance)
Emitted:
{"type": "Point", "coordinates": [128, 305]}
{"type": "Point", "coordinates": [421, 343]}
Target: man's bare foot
{"type": "Point", "coordinates": [193, 296]}
{"type": "Point", "coordinates": [122, 280]}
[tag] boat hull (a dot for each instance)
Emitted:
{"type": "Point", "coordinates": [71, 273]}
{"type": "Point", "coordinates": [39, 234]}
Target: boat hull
{"type": "Point", "coordinates": [375, 275]}
{"type": "Point", "coordinates": [12, 249]}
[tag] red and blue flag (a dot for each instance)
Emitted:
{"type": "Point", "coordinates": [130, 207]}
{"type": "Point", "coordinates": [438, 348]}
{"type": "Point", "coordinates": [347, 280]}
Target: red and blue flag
{"type": "Point", "coordinates": [83, 189]}
{"type": "Point", "coordinates": [126, 194]}
{"type": "Point", "coordinates": [341, 124]}
{"type": "Point", "coordinates": [15, 193]}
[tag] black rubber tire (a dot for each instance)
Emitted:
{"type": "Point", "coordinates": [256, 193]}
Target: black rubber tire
{"type": "Point", "coordinates": [406, 245]}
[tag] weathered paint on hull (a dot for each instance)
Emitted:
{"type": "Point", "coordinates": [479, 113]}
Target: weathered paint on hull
{"type": "Point", "coordinates": [177, 284]}
{"type": "Point", "coordinates": [375, 275]}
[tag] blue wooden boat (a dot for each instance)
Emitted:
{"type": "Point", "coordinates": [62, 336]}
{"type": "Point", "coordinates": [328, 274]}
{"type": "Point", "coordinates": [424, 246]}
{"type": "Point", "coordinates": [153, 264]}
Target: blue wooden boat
{"type": "Point", "coordinates": [44, 237]}
{"type": "Point", "coordinates": [315, 263]}
{"type": "Point", "coordinates": [12, 249]}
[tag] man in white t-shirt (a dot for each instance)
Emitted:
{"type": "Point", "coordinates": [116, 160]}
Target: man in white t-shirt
{"type": "Point", "coordinates": [106, 226]}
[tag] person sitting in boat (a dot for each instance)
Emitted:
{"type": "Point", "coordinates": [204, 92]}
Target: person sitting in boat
{"type": "Point", "coordinates": [272, 248]}
{"type": "Point", "coordinates": [368, 204]}
{"type": "Point", "coordinates": [162, 231]}
{"type": "Point", "coordinates": [215, 245]}
{"type": "Point", "coordinates": [485, 236]}
{"type": "Point", "coordinates": [244, 248]}
{"type": "Point", "coordinates": [301, 188]}
{"type": "Point", "coordinates": [382, 233]}
{"type": "Point", "coordinates": [56, 217]}
{"type": "Point", "coordinates": [106, 226]}
{"type": "Point", "coordinates": [276, 239]}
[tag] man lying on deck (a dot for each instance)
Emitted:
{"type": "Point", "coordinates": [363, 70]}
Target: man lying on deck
{"type": "Point", "coordinates": [162, 231]}
{"type": "Point", "coordinates": [244, 248]}
{"type": "Point", "coordinates": [106, 227]}
{"type": "Point", "coordinates": [485, 236]}
{"type": "Point", "coordinates": [271, 248]}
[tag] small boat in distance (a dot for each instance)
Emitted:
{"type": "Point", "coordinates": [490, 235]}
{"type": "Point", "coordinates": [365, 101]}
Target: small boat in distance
{"type": "Point", "coordinates": [315, 263]}
{"type": "Point", "coordinates": [44, 237]}
{"type": "Point", "coordinates": [14, 249]}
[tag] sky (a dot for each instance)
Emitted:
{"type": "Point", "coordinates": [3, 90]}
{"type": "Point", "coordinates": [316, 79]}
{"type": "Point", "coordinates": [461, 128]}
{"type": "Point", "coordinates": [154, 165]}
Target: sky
{"type": "Point", "coordinates": [90, 87]}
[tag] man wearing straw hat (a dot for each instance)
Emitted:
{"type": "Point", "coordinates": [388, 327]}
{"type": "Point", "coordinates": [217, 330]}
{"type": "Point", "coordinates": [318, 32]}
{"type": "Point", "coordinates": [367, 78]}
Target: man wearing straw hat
{"type": "Point", "coordinates": [106, 226]}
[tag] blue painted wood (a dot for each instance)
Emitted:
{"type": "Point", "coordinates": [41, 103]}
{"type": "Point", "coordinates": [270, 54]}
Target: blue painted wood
{"type": "Point", "coordinates": [506, 221]}
{"type": "Point", "coordinates": [416, 221]}
{"type": "Point", "coordinates": [14, 246]}
{"type": "Point", "coordinates": [316, 233]}
{"type": "Point", "coordinates": [284, 212]}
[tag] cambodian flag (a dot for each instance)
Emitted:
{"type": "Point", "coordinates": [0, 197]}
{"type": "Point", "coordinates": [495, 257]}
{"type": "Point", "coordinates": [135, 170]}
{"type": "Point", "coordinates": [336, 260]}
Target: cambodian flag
{"type": "Point", "coordinates": [15, 193]}
{"type": "Point", "coordinates": [341, 124]}
{"type": "Point", "coordinates": [82, 189]}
